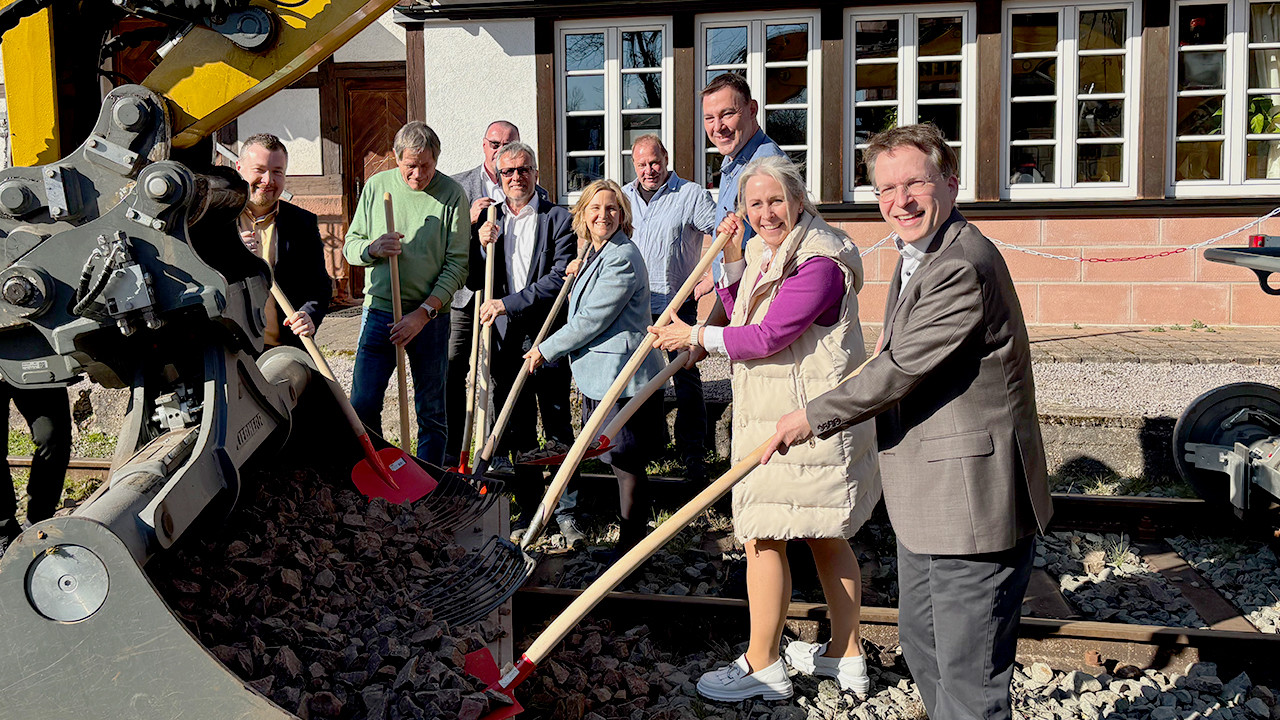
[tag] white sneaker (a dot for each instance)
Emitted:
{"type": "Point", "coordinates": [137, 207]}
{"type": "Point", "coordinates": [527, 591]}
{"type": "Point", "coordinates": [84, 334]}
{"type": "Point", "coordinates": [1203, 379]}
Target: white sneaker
{"type": "Point", "coordinates": [850, 672]}
{"type": "Point", "coordinates": [735, 681]}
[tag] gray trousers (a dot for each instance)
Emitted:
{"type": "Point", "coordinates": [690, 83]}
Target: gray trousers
{"type": "Point", "coordinates": [958, 624]}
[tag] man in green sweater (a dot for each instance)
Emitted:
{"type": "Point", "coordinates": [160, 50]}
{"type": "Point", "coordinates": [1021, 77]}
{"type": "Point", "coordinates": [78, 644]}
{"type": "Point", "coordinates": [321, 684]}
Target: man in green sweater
{"type": "Point", "coordinates": [432, 230]}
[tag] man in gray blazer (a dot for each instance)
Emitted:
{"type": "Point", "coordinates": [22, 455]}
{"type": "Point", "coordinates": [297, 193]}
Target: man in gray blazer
{"type": "Point", "coordinates": [961, 454]}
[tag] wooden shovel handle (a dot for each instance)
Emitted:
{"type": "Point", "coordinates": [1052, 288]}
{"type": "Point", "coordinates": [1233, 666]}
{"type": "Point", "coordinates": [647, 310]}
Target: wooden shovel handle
{"type": "Point", "coordinates": [636, 556]}
{"type": "Point", "coordinates": [500, 426]}
{"type": "Point", "coordinates": [591, 427]}
{"type": "Point", "coordinates": [633, 405]}
{"type": "Point", "coordinates": [323, 365]}
{"type": "Point", "coordinates": [485, 371]}
{"type": "Point", "coordinates": [402, 382]}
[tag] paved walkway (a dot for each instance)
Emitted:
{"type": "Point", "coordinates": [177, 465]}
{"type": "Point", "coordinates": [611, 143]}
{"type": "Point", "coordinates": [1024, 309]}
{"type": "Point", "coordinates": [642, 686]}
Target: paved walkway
{"type": "Point", "coordinates": [1168, 344]}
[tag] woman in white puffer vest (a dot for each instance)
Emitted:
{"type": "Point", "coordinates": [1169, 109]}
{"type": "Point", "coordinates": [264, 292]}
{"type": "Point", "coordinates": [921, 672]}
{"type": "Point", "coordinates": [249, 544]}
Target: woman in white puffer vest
{"type": "Point", "coordinates": [793, 334]}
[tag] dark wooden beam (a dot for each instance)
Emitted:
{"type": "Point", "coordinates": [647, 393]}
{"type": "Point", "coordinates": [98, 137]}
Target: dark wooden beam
{"type": "Point", "coordinates": [330, 127]}
{"type": "Point", "coordinates": [544, 47]}
{"type": "Point", "coordinates": [831, 186]}
{"type": "Point", "coordinates": [687, 134]}
{"type": "Point", "coordinates": [381, 69]}
{"type": "Point", "coordinates": [415, 75]}
{"type": "Point", "coordinates": [1153, 111]}
{"type": "Point", "coordinates": [988, 169]}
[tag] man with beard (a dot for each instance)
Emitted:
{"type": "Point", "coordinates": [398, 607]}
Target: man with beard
{"type": "Point", "coordinates": [286, 237]}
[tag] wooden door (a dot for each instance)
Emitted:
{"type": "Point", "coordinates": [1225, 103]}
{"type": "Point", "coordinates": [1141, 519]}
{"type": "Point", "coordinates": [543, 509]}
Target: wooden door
{"type": "Point", "coordinates": [374, 109]}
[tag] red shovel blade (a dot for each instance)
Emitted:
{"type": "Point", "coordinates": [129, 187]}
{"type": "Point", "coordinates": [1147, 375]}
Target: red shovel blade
{"type": "Point", "coordinates": [481, 665]}
{"type": "Point", "coordinates": [602, 445]}
{"type": "Point", "coordinates": [408, 480]}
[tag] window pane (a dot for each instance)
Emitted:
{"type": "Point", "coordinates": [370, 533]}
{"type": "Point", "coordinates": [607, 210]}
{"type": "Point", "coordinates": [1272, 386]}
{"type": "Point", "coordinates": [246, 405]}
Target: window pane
{"type": "Point", "coordinates": [1263, 115]}
{"type": "Point", "coordinates": [1263, 161]}
{"type": "Point", "coordinates": [1033, 121]}
{"type": "Point", "coordinates": [1101, 74]}
{"type": "Point", "coordinates": [633, 126]}
{"type": "Point", "coordinates": [946, 117]}
{"type": "Point", "coordinates": [787, 127]}
{"type": "Point", "coordinates": [786, 85]}
{"type": "Point", "coordinates": [868, 121]}
{"type": "Point", "coordinates": [1102, 29]}
{"type": "Point", "coordinates": [1101, 119]}
{"type": "Point", "coordinates": [714, 161]}
{"type": "Point", "coordinates": [786, 42]}
{"type": "Point", "coordinates": [860, 177]}
{"type": "Point", "coordinates": [584, 52]}
{"type": "Point", "coordinates": [1035, 77]}
{"type": "Point", "coordinates": [940, 79]}
{"type": "Point", "coordinates": [1200, 70]}
{"type": "Point", "coordinates": [876, 39]}
{"type": "Point", "coordinates": [1035, 32]}
{"type": "Point", "coordinates": [713, 74]}
{"type": "Point", "coordinates": [582, 170]}
{"type": "Point", "coordinates": [642, 49]}
{"type": "Point", "coordinates": [875, 82]}
{"type": "Point", "coordinates": [1198, 161]}
{"type": "Point", "coordinates": [1264, 68]}
{"type": "Point", "coordinates": [726, 46]}
{"type": "Point", "coordinates": [1200, 116]}
{"type": "Point", "coordinates": [940, 36]}
{"type": "Point", "coordinates": [641, 90]}
{"type": "Point", "coordinates": [1099, 163]}
{"type": "Point", "coordinates": [1264, 22]}
{"type": "Point", "coordinates": [584, 92]}
{"type": "Point", "coordinates": [584, 133]}
{"type": "Point", "coordinates": [628, 169]}
{"type": "Point", "coordinates": [801, 160]}
{"type": "Point", "coordinates": [1202, 25]}
{"type": "Point", "coordinates": [1031, 164]}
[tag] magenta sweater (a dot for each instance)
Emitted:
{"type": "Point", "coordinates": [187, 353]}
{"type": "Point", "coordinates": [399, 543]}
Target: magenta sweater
{"type": "Point", "coordinates": [811, 294]}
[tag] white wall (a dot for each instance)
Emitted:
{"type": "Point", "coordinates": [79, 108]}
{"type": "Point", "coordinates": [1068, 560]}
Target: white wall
{"type": "Point", "coordinates": [381, 41]}
{"type": "Point", "coordinates": [477, 74]}
{"type": "Point", "coordinates": [294, 117]}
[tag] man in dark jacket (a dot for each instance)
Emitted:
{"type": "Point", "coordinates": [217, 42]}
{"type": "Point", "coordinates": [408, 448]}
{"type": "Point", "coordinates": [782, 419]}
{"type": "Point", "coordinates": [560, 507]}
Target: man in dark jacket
{"type": "Point", "coordinates": [287, 237]}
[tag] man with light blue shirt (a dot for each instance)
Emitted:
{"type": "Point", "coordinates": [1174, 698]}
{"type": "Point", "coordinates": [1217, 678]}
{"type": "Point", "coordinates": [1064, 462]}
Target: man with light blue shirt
{"type": "Point", "coordinates": [729, 117]}
{"type": "Point", "coordinates": [672, 217]}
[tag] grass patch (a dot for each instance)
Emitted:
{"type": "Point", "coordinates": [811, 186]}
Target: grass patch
{"type": "Point", "coordinates": [1157, 329]}
{"type": "Point", "coordinates": [94, 445]}
{"type": "Point", "coordinates": [20, 443]}
{"type": "Point", "coordinates": [1107, 482]}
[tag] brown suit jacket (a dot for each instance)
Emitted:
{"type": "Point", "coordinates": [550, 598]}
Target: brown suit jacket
{"type": "Point", "coordinates": [961, 458]}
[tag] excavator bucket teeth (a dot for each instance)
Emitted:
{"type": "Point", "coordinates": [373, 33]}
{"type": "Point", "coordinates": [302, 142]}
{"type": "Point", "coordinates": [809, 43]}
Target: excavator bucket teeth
{"type": "Point", "coordinates": [75, 650]}
{"type": "Point", "coordinates": [479, 585]}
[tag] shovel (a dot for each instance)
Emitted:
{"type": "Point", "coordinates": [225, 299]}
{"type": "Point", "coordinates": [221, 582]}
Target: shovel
{"type": "Point", "coordinates": [402, 383]}
{"type": "Point", "coordinates": [468, 424]}
{"type": "Point", "coordinates": [387, 473]}
{"type": "Point", "coordinates": [480, 664]}
{"type": "Point", "coordinates": [592, 425]}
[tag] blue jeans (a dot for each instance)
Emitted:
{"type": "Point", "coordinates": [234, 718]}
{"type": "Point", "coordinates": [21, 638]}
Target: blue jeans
{"type": "Point", "coordinates": [428, 356]}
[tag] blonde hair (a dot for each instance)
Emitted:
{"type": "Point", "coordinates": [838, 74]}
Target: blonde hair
{"type": "Point", "coordinates": [785, 172]}
{"type": "Point", "coordinates": [589, 192]}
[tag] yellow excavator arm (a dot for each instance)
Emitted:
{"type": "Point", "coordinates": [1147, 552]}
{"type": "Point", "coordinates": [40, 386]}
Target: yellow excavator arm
{"type": "Point", "coordinates": [207, 79]}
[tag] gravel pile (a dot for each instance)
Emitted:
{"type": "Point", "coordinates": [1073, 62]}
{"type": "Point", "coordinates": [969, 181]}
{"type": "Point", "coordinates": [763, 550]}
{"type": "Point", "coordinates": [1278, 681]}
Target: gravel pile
{"type": "Point", "coordinates": [310, 592]}
{"type": "Point", "coordinates": [1137, 389]}
{"type": "Point", "coordinates": [1244, 573]}
{"type": "Point", "coordinates": [1106, 580]}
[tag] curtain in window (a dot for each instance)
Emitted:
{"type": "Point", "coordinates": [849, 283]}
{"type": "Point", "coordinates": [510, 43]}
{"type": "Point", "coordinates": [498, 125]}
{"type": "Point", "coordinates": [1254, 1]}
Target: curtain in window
{"type": "Point", "coordinates": [1264, 109]}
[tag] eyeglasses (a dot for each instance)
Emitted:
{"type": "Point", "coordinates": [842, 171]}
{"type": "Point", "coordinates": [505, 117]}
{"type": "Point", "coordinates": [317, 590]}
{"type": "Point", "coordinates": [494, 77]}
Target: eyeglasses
{"type": "Point", "coordinates": [913, 188]}
{"type": "Point", "coordinates": [494, 144]}
{"type": "Point", "coordinates": [523, 170]}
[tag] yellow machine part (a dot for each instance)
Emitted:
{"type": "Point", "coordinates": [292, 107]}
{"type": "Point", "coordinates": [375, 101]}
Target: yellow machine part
{"type": "Point", "coordinates": [207, 80]}
{"type": "Point", "coordinates": [31, 90]}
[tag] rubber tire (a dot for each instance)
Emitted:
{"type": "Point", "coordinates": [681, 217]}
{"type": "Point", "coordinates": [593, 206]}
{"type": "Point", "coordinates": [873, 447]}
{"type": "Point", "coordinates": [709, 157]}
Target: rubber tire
{"type": "Point", "coordinates": [1201, 423]}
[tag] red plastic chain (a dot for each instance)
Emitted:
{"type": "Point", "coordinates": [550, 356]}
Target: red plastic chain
{"type": "Point", "coordinates": [1166, 253]}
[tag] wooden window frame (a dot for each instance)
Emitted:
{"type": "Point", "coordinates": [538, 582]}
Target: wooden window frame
{"type": "Point", "coordinates": [908, 83]}
{"type": "Point", "coordinates": [1065, 186]}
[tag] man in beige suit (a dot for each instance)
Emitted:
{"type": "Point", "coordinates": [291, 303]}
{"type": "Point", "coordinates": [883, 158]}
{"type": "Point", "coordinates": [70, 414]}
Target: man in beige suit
{"type": "Point", "coordinates": [961, 456]}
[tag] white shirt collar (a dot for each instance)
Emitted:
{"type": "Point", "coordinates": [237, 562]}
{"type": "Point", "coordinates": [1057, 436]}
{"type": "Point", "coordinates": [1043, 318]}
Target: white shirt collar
{"type": "Point", "coordinates": [529, 207]}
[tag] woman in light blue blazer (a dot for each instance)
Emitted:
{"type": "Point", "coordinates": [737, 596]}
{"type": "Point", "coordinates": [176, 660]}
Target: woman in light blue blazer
{"type": "Point", "coordinates": [608, 317]}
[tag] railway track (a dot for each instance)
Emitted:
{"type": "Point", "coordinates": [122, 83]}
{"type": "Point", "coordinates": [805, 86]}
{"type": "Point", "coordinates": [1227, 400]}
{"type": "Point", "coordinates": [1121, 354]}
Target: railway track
{"type": "Point", "coordinates": [1051, 632]}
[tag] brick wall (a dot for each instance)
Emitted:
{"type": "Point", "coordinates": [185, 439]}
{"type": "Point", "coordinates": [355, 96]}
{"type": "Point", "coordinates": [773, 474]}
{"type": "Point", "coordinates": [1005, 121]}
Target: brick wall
{"type": "Point", "coordinates": [1172, 290]}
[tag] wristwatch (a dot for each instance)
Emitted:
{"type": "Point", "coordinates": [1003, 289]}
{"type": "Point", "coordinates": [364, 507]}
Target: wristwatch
{"type": "Point", "coordinates": [431, 312]}
{"type": "Point", "coordinates": [693, 335]}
